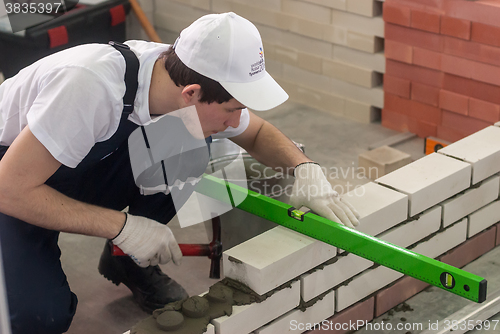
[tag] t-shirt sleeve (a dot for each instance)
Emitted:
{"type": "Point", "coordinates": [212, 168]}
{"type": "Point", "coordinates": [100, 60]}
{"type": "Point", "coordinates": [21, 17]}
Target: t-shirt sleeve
{"type": "Point", "coordinates": [233, 132]}
{"type": "Point", "coordinates": [73, 110]}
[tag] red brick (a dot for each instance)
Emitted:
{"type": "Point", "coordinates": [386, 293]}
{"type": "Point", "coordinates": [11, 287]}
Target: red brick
{"type": "Point", "coordinates": [475, 11]}
{"type": "Point", "coordinates": [471, 249]}
{"type": "Point", "coordinates": [395, 121]}
{"type": "Point", "coordinates": [426, 129]}
{"type": "Point", "coordinates": [362, 311]}
{"type": "Point", "coordinates": [454, 102]}
{"type": "Point", "coordinates": [418, 38]}
{"type": "Point", "coordinates": [473, 88]}
{"type": "Point", "coordinates": [486, 111]}
{"type": "Point", "coordinates": [398, 51]}
{"type": "Point", "coordinates": [427, 58]}
{"type": "Point", "coordinates": [449, 134]}
{"type": "Point", "coordinates": [425, 20]}
{"type": "Point", "coordinates": [457, 66]}
{"type": "Point", "coordinates": [425, 94]}
{"type": "Point", "coordinates": [394, 295]}
{"type": "Point", "coordinates": [397, 14]}
{"type": "Point", "coordinates": [470, 50]}
{"type": "Point", "coordinates": [397, 104]}
{"type": "Point", "coordinates": [485, 34]}
{"type": "Point", "coordinates": [425, 112]}
{"type": "Point", "coordinates": [455, 27]}
{"type": "Point", "coordinates": [397, 86]}
{"type": "Point", "coordinates": [414, 73]}
{"type": "Point", "coordinates": [486, 73]}
{"type": "Point", "coordinates": [463, 124]}
{"type": "Point", "coordinates": [498, 235]}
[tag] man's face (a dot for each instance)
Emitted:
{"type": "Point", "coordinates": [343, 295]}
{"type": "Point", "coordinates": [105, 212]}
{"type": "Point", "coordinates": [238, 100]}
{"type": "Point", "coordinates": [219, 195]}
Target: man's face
{"type": "Point", "coordinates": [216, 117]}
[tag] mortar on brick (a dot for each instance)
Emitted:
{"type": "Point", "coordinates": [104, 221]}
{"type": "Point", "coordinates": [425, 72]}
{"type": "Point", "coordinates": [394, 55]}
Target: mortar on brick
{"type": "Point", "coordinates": [274, 257]}
{"type": "Point", "coordinates": [382, 161]}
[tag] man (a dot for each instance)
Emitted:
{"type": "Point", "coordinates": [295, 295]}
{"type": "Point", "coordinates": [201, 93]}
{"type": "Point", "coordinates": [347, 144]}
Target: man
{"type": "Point", "coordinates": [65, 162]}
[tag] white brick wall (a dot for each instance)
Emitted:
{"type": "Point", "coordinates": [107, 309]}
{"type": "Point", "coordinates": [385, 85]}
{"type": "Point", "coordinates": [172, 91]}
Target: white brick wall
{"type": "Point", "coordinates": [471, 200]}
{"type": "Point", "coordinates": [273, 258]}
{"type": "Point", "coordinates": [415, 229]}
{"type": "Point", "coordinates": [380, 208]}
{"type": "Point", "coordinates": [484, 218]}
{"type": "Point", "coordinates": [443, 241]}
{"type": "Point", "coordinates": [429, 180]}
{"type": "Point", "coordinates": [247, 318]}
{"type": "Point", "coordinates": [296, 321]}
{"type": "Point", "coordinates": [363, 285]}
{"type": "Point", "coordinates": [315, 283]}
{"type": "Point", "coordinates": [481, 149]}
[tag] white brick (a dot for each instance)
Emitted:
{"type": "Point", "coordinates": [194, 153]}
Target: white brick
{"type": "Point", "coordinates": [443, 241]}
{"type": "Point", "coordinates": [315, 283]}
{"type": "Point", "coordinates": [414, 230]}
{"type": "Point", "coordinates": [368, 8]}
{"type": "Point", "coordinates": [374, 61]}
{"type": "Point", "coordinates": [361, 112]}
{"type": "Point", "coordinates": [274, 5]}
{"type": "Point", "coordinates": [306, 10]}
{"type": "Point", "coordinates": [363, 25]}
{"type": "Point", "coordinates": [364, 42]}
{"type": "Point", "coordinates": [147, 5]}
{"type": "Point", "coordinates": [274, 257]}
{"type": "Point", "coordinates": [203, 4]}
{"type": "Point", "coordinates": [349, 73]}
{"type": "Point", "coordinates": [336, 35]}
{"type": "Point", "coordinates": [481, 149]}
{"type": "Point", "coordinates": [297, 321]}
{"type": "Point", "coordinates": [336, 4]}
{"type": "Point", "coordinates": [429, 180]}
{"type": "Point", "coordinates": [364, 285]}
{"type": "Point", "coordinates": [247, 318]}
{"type": "Point", "coordinates": [171, 23]}
{"type": "Point", "coordinates": [179, 10]}
{"type": "Point", "coordinates": [380, 208]}
{"type": "Point", "coordinates": [484, 218]}
{"type": "Point", "coordinates": [373, 96]}
{"type": "Point", "coordinates": [471, 200]}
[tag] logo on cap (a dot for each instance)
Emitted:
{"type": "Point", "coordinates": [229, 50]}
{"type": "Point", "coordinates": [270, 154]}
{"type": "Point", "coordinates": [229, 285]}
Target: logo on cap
{"type": "Point", "coordinates": [259, 66]}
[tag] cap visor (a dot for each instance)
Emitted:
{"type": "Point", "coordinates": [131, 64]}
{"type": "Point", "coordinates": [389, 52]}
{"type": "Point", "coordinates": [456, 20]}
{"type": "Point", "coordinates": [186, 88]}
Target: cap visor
{"type": "Point", "coordinates": [262, 94]}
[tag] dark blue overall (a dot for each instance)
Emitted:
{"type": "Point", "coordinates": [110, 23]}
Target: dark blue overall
{"type": "Point", "coordinates": [39, 297]}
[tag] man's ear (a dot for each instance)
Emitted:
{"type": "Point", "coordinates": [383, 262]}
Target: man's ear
{"type": "Point", "coordinates": [191, 93]}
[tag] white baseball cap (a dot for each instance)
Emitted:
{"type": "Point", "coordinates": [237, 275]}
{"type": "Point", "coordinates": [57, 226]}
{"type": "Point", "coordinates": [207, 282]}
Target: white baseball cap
{"type": "Point", "coordinates": [228, 49]}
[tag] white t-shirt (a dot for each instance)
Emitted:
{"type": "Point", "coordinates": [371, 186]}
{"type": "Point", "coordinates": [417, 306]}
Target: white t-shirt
{"type": "Point", "coordinates": [74, 99]}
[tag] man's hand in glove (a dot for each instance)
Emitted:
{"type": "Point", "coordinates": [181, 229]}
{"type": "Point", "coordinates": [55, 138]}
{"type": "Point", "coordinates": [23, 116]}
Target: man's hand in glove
{"type": "Point", "coordinates": [148, 242]}
{"type": "Point", "coordinates": [311, 189]}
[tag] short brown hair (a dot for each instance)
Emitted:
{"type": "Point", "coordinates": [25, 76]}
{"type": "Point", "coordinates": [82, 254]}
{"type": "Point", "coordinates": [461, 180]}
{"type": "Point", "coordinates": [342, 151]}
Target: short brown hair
{"type": "Point", "coordinates": [181, 75]}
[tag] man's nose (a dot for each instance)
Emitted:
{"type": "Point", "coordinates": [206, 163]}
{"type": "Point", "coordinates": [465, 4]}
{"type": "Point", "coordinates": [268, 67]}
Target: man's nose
{"type": "Point", "coordinates": [234, 119]}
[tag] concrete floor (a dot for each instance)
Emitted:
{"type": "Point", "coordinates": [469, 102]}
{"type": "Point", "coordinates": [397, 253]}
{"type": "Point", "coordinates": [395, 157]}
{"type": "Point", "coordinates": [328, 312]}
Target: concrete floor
{"type": "Point", "coordinates": [331, 140]}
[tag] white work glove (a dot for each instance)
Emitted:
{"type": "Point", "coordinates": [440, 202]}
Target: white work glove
{"type": "Point", "coordinates": [311, 189]}
{"type": "Point", "coordinates": [148, 242]}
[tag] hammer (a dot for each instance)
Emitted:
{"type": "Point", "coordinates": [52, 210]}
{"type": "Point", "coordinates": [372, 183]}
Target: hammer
{"type": "Point", "coordinates": [213, 250]}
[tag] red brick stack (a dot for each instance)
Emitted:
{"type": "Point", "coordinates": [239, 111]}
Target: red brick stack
{"type": "Point", "coordinates": [442, 66]}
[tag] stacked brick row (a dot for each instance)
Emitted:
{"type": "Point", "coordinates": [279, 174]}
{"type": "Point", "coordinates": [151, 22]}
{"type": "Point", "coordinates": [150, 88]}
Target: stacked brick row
{"type": "Point", "coordinates": [443, 66]}
{"type": "Point", "coordinates": [326, 54]}
{"type": "Point", "coordinates": [445, 205]}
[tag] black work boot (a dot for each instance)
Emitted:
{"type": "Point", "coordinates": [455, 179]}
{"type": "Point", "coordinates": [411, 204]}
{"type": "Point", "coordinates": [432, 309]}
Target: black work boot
{"type": "Point", "coordinates": [152, 289]}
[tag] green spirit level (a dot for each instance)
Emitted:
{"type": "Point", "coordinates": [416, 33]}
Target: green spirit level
{"type": "Point", "coordinates": [421, 267]}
